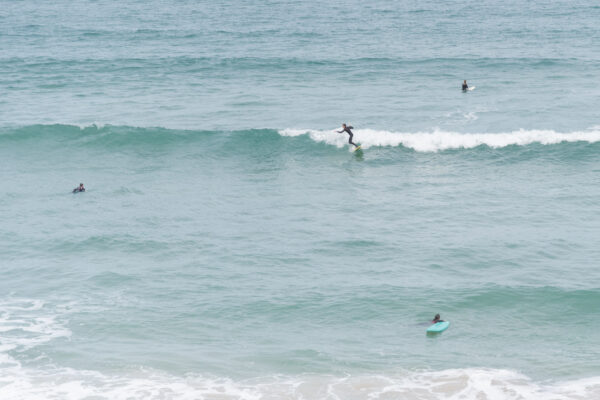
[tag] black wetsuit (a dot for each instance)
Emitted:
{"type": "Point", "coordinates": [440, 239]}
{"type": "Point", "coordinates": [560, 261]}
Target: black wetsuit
{"type": "Point", "coordinates": [465, 87]}
{"type": "Point", "coordinates": [349, 132]}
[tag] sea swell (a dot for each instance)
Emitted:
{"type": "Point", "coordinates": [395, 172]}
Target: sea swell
{"type": "Point", "coordinates": [121, 137]}
{"type": "Point", "coordinates": [28, 324]}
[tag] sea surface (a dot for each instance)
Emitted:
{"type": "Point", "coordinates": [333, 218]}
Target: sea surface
{"type": "Point", "coordinates": [230, 245]}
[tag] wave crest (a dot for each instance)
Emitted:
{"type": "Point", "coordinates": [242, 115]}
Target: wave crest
{"type": "Point", "coordinates": [441, 140]}
{"type": "Point", "coordinates": [229, 142]}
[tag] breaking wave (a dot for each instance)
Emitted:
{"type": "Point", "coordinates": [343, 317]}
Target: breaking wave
{"type": "Point", "coordinates": [28, 323]}
{"type": "Point", "coordinates": [440, 140]}
{"type": "Point", "coordinates": [231, 142]}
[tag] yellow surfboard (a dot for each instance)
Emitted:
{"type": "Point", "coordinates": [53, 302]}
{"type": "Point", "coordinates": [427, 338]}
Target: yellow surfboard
{"type": "Point", "coordinates": [357, 148]}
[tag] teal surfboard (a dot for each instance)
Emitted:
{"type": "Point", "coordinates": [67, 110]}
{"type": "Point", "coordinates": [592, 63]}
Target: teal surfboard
{"type": "Point", "coordinates": [438, 327]}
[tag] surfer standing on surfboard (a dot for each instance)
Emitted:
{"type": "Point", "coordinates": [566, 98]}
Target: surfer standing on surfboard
{"type": "Point", "coordinates": [348, 130]}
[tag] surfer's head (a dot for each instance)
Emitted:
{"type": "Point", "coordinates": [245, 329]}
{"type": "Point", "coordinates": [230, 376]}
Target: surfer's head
{"type": "Point", "coordinates": [343, 125]}
{"type": "Point", "coordinates": [437, 317]}
{"type": "Point", "coordinates": [465, 81]}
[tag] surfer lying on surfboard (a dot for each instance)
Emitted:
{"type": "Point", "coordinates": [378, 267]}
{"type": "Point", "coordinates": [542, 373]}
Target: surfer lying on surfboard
{"type": "Point", "coordinates": [436, 319]}
{"type": "Point", "coordinates": [438, 325]}
{"type": "Point", "coordinates": [348, 130]}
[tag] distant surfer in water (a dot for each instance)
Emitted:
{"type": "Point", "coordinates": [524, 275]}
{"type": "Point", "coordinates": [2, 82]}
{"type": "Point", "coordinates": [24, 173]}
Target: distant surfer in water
{"type": "Point", "coordinates": [465, 87]}
{"type": "Point", "coordinates": [436, 319]}
{"type": "Point", "coordinates": [348, 130]}
{"type": "Point", "coordinates": [80, 188]}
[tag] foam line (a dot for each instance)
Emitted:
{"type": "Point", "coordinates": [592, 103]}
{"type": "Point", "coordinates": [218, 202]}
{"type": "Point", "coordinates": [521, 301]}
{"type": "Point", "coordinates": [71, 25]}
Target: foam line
{"type": "Point", "coordinates": [454, 384]}
{"type": "Point", "coordinates": [441, 140]}
{"type": "Point", "coordinates": [27, 323]}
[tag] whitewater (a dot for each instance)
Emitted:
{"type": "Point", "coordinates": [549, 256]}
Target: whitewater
{"type": "Point", "coordinates": [231, 245]}
{"type": "Point", "coordinates": [440, 140]}
{"type": "Point", "coordinates": [31, 318]}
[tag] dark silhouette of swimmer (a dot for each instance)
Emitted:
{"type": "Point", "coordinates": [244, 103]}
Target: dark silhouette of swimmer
{"type": "Point", "coordinates": [348, 130]}
{"type": "Point", "coordinates": [436, 319]}
{"type": "Point", "coordinates": [80, 188]}
{"type": "Point", "coordinates": [465, 87]}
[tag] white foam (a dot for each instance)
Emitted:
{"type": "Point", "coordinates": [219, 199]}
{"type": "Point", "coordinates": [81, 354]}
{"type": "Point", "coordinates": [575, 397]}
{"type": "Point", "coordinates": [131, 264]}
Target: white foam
{"type": "Point", "coordinates": [25, 324]}
{"type": "Point", "coordinates": [471, 116]}
{"type": "Point", "coordinates": [455, 384]}
{"type": "Point", "coordinates": [28, 323]}
{"type": "Point", "coordinates": [438, 140]}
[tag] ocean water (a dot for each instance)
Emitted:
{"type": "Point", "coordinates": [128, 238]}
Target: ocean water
{"type": "Point", "coordinates": [230, 245]}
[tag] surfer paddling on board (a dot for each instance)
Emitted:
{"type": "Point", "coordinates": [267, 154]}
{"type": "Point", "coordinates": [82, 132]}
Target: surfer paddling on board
{"type": "Point", "coordinates": [80, 188]}
{"type": "Point", "coordinates": [436, 319]}
{"type": "Point", "coordinates": [465, 87]}
{"type": "Point", "coordinates": [348, 130]}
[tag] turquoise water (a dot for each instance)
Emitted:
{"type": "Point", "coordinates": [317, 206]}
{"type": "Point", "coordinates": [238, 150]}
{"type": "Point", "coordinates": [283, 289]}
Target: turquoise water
{"type": "Point", "coordinates": [231, 246]}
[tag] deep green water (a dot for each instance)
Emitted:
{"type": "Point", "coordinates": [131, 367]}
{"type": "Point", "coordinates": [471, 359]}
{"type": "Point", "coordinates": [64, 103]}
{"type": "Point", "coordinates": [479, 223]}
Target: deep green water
{"type": "Point", "coordinates": [231, 246]}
